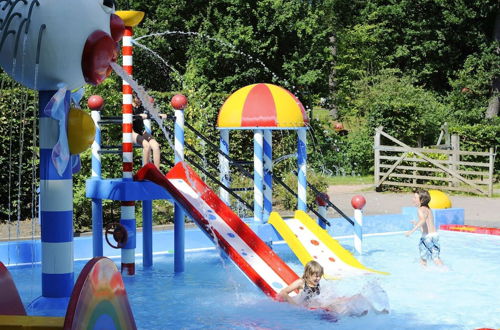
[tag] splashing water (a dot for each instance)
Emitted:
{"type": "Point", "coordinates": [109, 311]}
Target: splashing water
{"type": "Point", "coordinates": [177, 75]}
{"type": "Point", "coordinates": [232, 47]}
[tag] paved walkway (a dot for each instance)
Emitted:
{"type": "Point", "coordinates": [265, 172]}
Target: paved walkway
{"type": "Point", "coordinates": [479, 211]}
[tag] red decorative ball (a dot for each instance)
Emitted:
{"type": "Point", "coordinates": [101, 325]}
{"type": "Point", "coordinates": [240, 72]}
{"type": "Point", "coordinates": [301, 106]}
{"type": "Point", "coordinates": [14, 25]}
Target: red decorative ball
{"type": "Point", "coordinates": [322, 199]}
{"type": "Point", "coordinates": [95, 102]}
{"type": "Point", "coordinates": [358, 202]}
{"type": "Point", "coordinates": [179, 102]}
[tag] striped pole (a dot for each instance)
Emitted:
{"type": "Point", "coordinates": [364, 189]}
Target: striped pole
{"type": "Point", "coordinates": [258, 175]}
{"type": "Point", "coordinates": [268, 173]}
{"type": "Point", "coordinates": [301, 163]}
{"type": "Point", "coordinates": [127, 207]}
{"type": "Point", "coordinates": [97, 239]}
{"type": "Point", "coordinates": [56, 210]}
{"type": "Point", "coordinates": [147, 220]}
{"type": "Point", "coordinates": [224, 166]}
{"type": "Point", "coordinates": [322, 201]}
{"type": "Point", "coordinates": [358, 202]}
{"type": "Point", "coordinates": [178, 211]}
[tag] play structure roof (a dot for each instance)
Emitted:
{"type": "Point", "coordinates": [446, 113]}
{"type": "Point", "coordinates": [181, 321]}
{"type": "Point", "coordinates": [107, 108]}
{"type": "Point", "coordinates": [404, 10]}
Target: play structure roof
{"type": "Point", "coordinates": [262, 106]}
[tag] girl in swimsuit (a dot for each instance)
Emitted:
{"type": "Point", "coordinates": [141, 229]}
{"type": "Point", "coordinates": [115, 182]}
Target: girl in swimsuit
{"type": "Point", "coordinates": [309, 291]}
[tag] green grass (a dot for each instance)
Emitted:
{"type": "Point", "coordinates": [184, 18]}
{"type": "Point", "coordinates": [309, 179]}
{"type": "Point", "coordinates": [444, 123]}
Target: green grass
{"type": "Point", "coordinates": [350, 180]}
{"type": "Point", "coordinates": [321, 114]}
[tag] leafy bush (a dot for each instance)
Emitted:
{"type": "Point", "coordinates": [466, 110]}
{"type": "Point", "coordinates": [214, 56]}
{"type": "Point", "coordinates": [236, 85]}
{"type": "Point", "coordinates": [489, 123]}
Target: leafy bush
{"type": "Point", "coordinates": [284, 200]}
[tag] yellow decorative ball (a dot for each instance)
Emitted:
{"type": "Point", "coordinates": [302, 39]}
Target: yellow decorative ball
{"type": "Point", "coordinates": [439, 200]}
{"type": "Point", "coordinates": [81, 131]}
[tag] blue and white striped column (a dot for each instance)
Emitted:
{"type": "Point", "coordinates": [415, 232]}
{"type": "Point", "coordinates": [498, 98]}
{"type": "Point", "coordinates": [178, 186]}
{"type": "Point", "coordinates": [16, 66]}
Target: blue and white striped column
{"type": "Point", "coordinates": [224, 166]}
{"type": "Point", "coordinates": [358, 231]}
{"type": "Point", "coordinates": [258, 175]}
{"type": "Point", "coordinates": [178, 211]}
{"type": "Point", "coordinates": [56, 211]}
{"type": "Point", "coordinates": [268, 173]}
{"type": "Point", "coordinates": [147, 220]}
{"type": "Point", "coordinates": [97, 239]}
{"type": "Point", "coordinates": [302, 173]}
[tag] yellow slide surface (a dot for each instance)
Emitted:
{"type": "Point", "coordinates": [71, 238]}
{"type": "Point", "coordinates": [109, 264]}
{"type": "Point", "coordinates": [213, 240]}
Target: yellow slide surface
{"type": "Point", "coordinates": [311, 242]}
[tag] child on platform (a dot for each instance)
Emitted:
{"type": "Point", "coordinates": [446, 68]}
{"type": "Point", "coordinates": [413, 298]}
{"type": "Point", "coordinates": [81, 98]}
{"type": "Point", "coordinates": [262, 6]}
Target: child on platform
{"type": "Point", "coordinates": [429, 242]}
{"type": "Point", "coordinates": [309, 295]}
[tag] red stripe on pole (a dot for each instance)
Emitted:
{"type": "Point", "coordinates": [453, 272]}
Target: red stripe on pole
{"type": "Point", "coordinates": [127, 147]}
{"type": "Point", "coordinates": [127, 167]}
{"type": "Point", "coordinates": [127, 69]}
{"type": "Point", "coordinates": [128, 268]}
{"type": "Point", "coordinates": [259, 108]}
{"type": "Point", "coordinates": [128, 203]}
{"type": "Point", "coordinates": [127, 89]}
{"type": "Point", "coordinates": [127, 128]}
{"type": "Point", "coordinates": [127, 109]}
{"type": "Point", "coordinates": [127, 50]}
{"type": "Point", "coordinates": [129, 31]}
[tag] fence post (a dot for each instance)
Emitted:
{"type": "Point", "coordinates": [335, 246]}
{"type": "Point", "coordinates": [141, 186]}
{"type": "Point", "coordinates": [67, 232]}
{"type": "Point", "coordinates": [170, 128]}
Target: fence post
{"type": "Point", "coordinates": [455, 157]}
{"type": "Point", "coordinates": [376, 146]}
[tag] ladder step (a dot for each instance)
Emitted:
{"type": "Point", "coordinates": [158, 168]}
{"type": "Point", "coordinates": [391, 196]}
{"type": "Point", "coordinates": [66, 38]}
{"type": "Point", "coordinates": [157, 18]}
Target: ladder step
{"type": "Point", "coordinates": [110, 120]}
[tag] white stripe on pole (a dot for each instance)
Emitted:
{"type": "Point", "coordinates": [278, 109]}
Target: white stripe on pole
{"type": "Point", "coordinates": [358, 231]}
{"type": "Point", "coordinates": [57, 258]}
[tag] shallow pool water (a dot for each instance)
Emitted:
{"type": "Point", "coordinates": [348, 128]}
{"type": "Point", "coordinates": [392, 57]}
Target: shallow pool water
{"type": "Point", "coordinates": [213, 293]}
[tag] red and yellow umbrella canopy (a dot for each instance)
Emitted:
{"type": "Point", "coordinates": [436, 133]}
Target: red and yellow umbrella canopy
{"type": "Point", "coordinates": [262, 105]}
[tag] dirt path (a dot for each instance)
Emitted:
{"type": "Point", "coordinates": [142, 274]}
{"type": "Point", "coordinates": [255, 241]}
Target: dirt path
{"type": "Point", "coordinates": [479, 211]}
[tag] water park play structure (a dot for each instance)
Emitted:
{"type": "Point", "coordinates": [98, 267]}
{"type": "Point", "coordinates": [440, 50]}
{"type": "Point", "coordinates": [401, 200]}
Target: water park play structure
{"type": "Point", "coordinates": [261, 108]}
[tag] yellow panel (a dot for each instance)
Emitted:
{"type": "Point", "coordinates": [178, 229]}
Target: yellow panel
{"type": "Point", "coordinates": [130, 17]}
{"type": "Point", "coordinates": [231, 111]}
{"type": "Point", "coordinates": [30, 322]}
{"type": "Point", "coordinates": [288, 111]}
{"type": "Point", "coordinates": [293, 242]}
{"type": "Point", "coordinates": [331, 243]}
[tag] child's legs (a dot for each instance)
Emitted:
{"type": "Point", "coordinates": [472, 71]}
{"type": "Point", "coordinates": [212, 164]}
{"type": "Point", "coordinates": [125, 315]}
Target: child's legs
{"type": "Point", "coordinates": [155, 147]}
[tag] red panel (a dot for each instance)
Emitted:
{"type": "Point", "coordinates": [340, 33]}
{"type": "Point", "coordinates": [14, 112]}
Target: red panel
{"type": "Point", "coordinates": [259, 109]}
{"type": "Point", "coordinates": [150, 172]}
{"type": "Point", "coordinates": [471, 229]}
{"type": "Point", "coordinates": [10, 301]}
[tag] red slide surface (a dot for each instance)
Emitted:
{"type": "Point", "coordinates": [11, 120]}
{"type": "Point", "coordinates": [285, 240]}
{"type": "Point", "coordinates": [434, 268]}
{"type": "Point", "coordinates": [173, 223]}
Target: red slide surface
{"type": "Point", "coordinates": [252, 255]}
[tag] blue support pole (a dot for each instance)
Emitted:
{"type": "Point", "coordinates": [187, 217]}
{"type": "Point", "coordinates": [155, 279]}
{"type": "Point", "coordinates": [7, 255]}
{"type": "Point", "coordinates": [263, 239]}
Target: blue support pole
{"type": "Point", "coordinates": [258, 175]}
{"type": "Point", "coordinates": [268, 176]}
{"type": "Point", "coordinates": [301, 163]}
{"type": "Point", "coordinates": [224, 166]}
{"type": "Point", "coordinates": [97, 239]}
{"type": "Point", "coordinates": [178, 211]}
{"type": "Point", "coordinates": [56, 211]}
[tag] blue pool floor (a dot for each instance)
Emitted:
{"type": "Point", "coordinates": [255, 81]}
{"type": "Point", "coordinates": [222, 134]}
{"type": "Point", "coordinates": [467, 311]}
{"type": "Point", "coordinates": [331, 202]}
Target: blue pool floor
{"type": "Point", "coordinates": [212, 293]}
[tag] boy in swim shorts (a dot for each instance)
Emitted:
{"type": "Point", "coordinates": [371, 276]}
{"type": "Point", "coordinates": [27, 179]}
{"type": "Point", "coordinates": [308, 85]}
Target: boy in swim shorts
{"type": "Point", "coordinates": [429, 242]}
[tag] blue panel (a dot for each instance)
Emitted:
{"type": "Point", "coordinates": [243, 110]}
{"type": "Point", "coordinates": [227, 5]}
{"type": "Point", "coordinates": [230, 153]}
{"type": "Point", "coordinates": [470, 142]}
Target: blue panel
{"type": "Point", "coordinates": [129, 224]}
{"type": "Point", "coordinates": [57, 285]}
{"type": "Point", "coordinates": [57, 226]}
{"type": "Point", "coordinates": [125, 190]}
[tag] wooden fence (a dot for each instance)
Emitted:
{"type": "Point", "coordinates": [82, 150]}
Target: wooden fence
{"type": "Point", "coordinates": [452, 169]}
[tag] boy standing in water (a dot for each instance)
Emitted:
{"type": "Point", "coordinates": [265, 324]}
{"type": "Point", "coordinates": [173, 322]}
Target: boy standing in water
{"type": "Point", "coordinates": [429, 242]}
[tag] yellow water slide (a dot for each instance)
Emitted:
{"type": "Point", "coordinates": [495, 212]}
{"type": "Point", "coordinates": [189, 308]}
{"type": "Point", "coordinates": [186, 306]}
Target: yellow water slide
{"type": "Point", "coordinates": [311, 242]}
